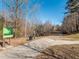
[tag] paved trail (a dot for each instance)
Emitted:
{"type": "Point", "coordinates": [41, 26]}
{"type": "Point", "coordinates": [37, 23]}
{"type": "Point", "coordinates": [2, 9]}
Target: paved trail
{"type": "Point", "coordinates": [32, 49]}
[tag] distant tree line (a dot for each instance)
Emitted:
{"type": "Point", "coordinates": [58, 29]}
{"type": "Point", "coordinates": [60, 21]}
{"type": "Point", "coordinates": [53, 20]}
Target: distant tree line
{"type": "Point", "coordinates": [71, 20]}
{"type": "Point", "coordinates": [44, 29]}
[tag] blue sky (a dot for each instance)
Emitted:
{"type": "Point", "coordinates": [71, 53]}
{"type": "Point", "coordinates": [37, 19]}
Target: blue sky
{"type": "Point", "coordinates": [0, 5]}
{"type": "Point", "coordinates": [50, 10]}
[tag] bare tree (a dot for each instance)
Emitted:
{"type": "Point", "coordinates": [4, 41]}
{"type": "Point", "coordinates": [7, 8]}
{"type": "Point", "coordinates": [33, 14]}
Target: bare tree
{"type": "Point", "coordinates": [18, 10]}
{"type": "Point", "coordinates": [71, 20]}
{"type": "Point", "coordinates": [70, 24]}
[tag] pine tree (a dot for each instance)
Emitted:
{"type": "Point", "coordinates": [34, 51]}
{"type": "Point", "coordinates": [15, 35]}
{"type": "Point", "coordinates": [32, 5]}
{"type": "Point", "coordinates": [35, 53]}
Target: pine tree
{"type": "Point", "coordinates": [71, 20]}
{"type": "Point", "coordinates": [72, 6]}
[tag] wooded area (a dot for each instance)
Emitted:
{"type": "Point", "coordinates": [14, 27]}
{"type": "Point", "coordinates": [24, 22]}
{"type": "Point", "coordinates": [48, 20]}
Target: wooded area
{"type": "Point", "coordinates": [39, 29]}
{"type": "Point", "coordinates": [24, 27]}
{"type": "Point", "coordinates": [71, 20]}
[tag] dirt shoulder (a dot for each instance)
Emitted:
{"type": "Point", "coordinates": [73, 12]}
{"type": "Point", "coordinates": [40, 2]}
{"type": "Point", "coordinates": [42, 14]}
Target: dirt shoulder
{"type": "Point", "coordinates": [60, 52]}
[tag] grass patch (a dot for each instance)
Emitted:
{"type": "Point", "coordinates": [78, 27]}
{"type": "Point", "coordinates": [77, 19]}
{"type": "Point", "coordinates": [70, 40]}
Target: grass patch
{"type": "Point", "coordinates": [73, 36]}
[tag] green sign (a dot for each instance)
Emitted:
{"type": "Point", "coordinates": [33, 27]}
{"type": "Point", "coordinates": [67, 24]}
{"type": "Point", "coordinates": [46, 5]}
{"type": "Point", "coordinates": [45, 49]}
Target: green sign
{"type": "Point", "coordinates": [7, 32]}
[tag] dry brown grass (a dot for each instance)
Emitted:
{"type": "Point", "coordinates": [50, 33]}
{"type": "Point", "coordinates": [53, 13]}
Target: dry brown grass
{"type": "Point", "coordinates": [73, 36]}
{"type": "Point", "coordinates": [60, 52]}
{"type": "Point", "coordinates": [17, 41]}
